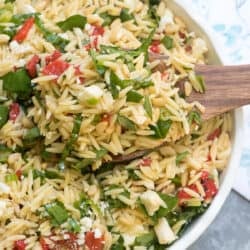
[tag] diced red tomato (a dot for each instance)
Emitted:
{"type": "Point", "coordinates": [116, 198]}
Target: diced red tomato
{"type": "Point", "coordinates": [69, 243]}
{"type": "Point", "coordinates": [79, 73]}
{"type": "Point", "coordinates": [31, 66]}
{"type": "Point", "coordinates": [182, 35]}
{"type": "Point", "coordinates": [95, 43]}
{"type": "Point", "coordinates": [215, 134]}
{"type": "Point", "coordinates": [106, 117]}
{"type": "Point", "coordinates": [87, 46]}
{"type": "Point", "coordinates": [56, 54]}
{"type": "Point", "coordinates": [155, 48]}
{"type": "Point", "coordinates": [209, 188]}
{"type": "Point", "coordinates": [43, 244]}
{"type": "Point", "coordinates": [209, 158]}
{"type": "Point", "coordinates": [19, 174]}
{"type": "Point", "coordinates": [204, 175]}
{"type": "Point", "coordinates": [182, 195]}
{"type": "Point", "coordinates": [14, 111]}
{"type": "Point", "coordinates": [93, 243]}
{"type": "Point", "coordinates": [19, 245]}
{"type": "Point", "coordinates": [145, 162]}
{"type": "Point", "coordinates": [56, 67]}
{"type": "Point", "coordinates": [24, 30]}
{"type": "Point", "coordinates": [194, 188]}
{"type": "Point", "coordinates": [98, 30]}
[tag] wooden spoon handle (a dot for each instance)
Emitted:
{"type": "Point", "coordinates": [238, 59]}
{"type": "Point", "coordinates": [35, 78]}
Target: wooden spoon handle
{"type": "Point", "coordinates": [227, 88]}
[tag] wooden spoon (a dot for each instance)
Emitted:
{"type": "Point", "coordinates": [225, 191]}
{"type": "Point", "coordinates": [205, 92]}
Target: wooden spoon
{"type": "Point", "coordinates": [227, 88]}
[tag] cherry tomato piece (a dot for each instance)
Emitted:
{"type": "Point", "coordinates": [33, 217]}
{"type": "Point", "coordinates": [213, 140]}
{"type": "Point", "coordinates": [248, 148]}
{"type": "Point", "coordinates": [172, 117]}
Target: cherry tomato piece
{"type": "Point", "coordinates": [55, 68]}
{"type": "Point", "coordinates": [24, 30]}
{"type": "Point", "coordinates": [19, 245]}
{"type": "Point", "coordinates": [14, 111]}
{"type": "Point", "coordinates": [215, 134]}
{"type": "Point", "coordinates": [31, 66]}
{"type": "Point", "coordinates": [93, 243]}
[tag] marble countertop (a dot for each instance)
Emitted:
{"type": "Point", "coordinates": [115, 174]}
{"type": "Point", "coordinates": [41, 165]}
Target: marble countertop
{"type": "Point", "coordinates": [231, 228]}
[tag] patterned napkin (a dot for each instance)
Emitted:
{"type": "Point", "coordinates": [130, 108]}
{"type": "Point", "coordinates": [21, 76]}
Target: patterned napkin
{"type": "Point", "coordinates": [230, 20]}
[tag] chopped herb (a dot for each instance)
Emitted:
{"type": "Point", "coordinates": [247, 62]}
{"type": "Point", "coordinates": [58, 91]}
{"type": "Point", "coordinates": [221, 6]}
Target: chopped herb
{"type": "Point", "coordinates": [180, 157]}
{"type": "Point", "coordinates": [53, 38]}
{"type": "Point", "coordinates": [10, 178]}
{"type": "Point", "coordinates": [9, 1]}
{"type": "Point", "coordinates": [116, 203]}
{"type": "Point", "coordinates": [100, 153]}
{"type": "Point", "coordinates": [100, 68]}
{"type": "Point", "coordinates": [125, 15]}
{"type": "Point", "coordinates": [161, 128]}
{"type": "Point", "coordinates": [4, 115]}
{"type": "Point", "coordinates": [148, 106]}
{"type": "Point", "coordinates": [154, 2]}
{"type": "Point", "coordinates": [75, 21]}
{"type": "Point", "coordinates": [73, 225]}
{"type": "Point", "coordinates": [57, 212]}
{"type": "Point", "coordinates": [18, 83]}
{"type": "Point", "coordinates": [4, 153]}
{"type": "Point", "coordinates": [97, 119]}
{"type": "Point", "coordinates": [74, 135]}
{"type": "Point", "coordinates": [107, 19]}
{"type": "Point", "coordinates": [167, 42]}
{"type": "Point", "coordinates": [126, 123]}
{"type": "Point", "coordinates": [194, 116]}
{"type": "Point", "coordinates": [176, 180]}
{"type": "Point", "coordinates": [133, 96]}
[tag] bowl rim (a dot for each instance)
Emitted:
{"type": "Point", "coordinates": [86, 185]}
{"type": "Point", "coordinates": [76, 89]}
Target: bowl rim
{"type": "Point", "coordinates": [201, 224]}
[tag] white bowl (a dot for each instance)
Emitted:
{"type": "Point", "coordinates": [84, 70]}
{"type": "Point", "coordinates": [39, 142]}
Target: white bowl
{"type": "Point", "coordinates": [227, 177]}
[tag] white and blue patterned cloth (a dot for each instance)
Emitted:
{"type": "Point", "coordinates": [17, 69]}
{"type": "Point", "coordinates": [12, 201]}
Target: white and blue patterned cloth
{"type": "Point", "coordinates": [230, 19]}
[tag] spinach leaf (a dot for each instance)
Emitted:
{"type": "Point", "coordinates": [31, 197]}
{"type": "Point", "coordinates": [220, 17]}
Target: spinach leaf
{"type": "Point", "coordinates": [168, 42]}
{"type": "Point", "coordinates": [57, 212]}
{"type": "Point", "coordinates": [180, 157]}
{"type": "Point", "coordinates": [18, 83]}
{"type": "Point", "coordinates": [100, 68]}
{"type": "Point", "coordinates": [119, 244]}
{"type": "Point", "coordinates": [125, 15]}
{"type": "Point", "coordinates": [148, 106]}
{"type": "Point", "coordinates": [133, 96]}
{"type": "Point", "coordinates": [145, 240]}
{"type": "Point", "coordinates": [75, 21]}
{"type": "Point", "coordinates": [176, 180]}
{"type": "Point", "coordinates": [4, 115]}
{"type": "Point", "coordinates": [116, 203]}
{"type": "Point", "coordinates": [31, 137]}
{"type": "Point", "coordinates": [126, 123]}
{"type": "Point", "coordinates": [4, 153]}
{"type": "Point", "coordinates": [161, 128]}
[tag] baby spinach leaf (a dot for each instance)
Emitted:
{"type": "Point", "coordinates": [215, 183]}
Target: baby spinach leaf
{"type": "Point", "coordinates": [75, 21]}
{"type": "Point", "coordinates": [4, 115]}
{"type": "Point", "coordinates": [161, 128]}
{"type": "Point", "coordinates": [133, 96]}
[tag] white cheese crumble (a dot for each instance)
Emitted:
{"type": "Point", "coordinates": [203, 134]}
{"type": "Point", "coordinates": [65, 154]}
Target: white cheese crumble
{"type": "Point", "coordinates": [4, 188]}
{"type": "Point", "coordinates": [152, 201]}
{"type": "Point", "coordinates": [91, 95]}
{"type": "Point", "coordinates": [163, 231]}
{"type": "Point", "coordinates": [97, 233]}
{"type": "Point", "coordinates": [167, 18]}
{"type": "Point", "coordinates": [18, 49]}
{"type": "Point", "coordinates": [86, 224]}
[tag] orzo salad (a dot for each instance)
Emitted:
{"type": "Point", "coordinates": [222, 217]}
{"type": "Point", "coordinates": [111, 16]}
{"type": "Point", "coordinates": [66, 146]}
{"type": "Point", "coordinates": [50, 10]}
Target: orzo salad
{"type": "Point", "coordinates": [85, 82]}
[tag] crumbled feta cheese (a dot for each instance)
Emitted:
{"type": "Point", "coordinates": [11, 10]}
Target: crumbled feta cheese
{"type": "Point", "coordinates": [4, 188]}
{"type": "Point", "coordinates": [64, 36]}
{"type": "Point", "coordinates": [97, 233]}
{"type": "Point", "coordinates": [91, 95]}
{"type": "Point", "coordinates": [66, 236]}
{"type": "Point", "coordinates": [128, 239]}
{"type": "Point", "coordinates": [167, 18]}
{"type": "Point", "coordinates": [19, 48]}
{"type": "Point", "coordinates": [20, 63]}
{"type": "Point", "coordinates": [88, 27]}
{"type": "Point", "coordinates": [3, 205]}
{"type": "Point", "coordinates": [27, 9]}
{"type": "Point", "coordinates": [152, 201]}
{"type": "Point", "coordinates": [164, 232]}
{"type": "Point", "coordinates": [86, 224]}
{"type": "Point", "coordinates": [131, 4]}
{"type": "Point", "coordinates": [81, 239]}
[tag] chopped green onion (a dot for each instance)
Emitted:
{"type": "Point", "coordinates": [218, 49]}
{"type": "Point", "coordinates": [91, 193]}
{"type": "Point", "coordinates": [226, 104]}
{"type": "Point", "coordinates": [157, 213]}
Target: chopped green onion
{"type": "Point", "coordinates": [148, 106]}
{"type": "Point", "coordinates": [126, 123]}
{"type": "Point", "coordinates": [133, 96]}
{"type": "Point", "coordinates": [168, 42]}
{"type": "Point", "coordinates": [125, 15]}
{"type": "Point", "coordinates": [75, 21]}
{"type": "Point", "coordinates": [4, 115]}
